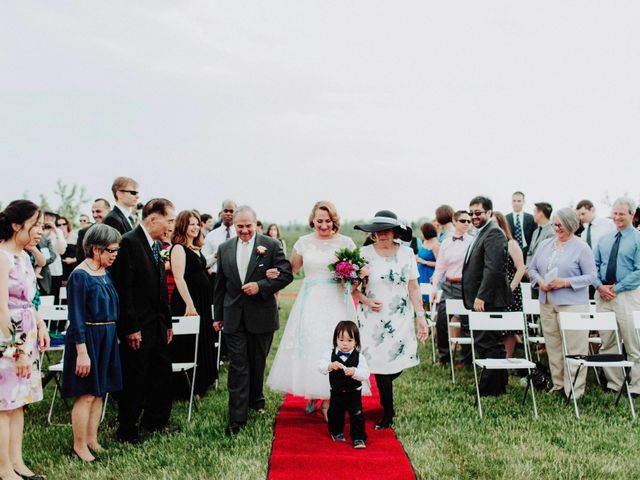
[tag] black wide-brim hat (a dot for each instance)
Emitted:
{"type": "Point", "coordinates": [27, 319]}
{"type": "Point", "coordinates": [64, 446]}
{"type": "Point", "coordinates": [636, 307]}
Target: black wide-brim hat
{"type": "Point", "coordinates": [386, 220]}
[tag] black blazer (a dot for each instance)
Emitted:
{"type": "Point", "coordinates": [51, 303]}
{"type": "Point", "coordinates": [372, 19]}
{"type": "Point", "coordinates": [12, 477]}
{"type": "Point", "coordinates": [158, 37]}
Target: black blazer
{"type": "Point", "coordinates": [232, 305]}
{"type": "Point", "coordinates": [484, 274]}
{"type": "Point", "coordinates": [116, 219]}
{"type": "Point", "coordinates": [528, 226]}
{"type": "Point", "coordinates": [141, 286]}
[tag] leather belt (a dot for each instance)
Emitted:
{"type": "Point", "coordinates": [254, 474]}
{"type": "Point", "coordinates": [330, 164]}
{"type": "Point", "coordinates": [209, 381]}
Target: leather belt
{"type": "Point", "coordinates": [454, 280]}
{"type": "Point", "coordinates": [91, 324]}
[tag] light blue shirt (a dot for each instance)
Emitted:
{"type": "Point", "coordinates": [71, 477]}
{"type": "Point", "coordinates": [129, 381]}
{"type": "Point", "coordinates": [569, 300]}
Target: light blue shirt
{"type": "Point", "coordinates": [628, 267]}
{"type": "Point", "coordinates": [574, 261]}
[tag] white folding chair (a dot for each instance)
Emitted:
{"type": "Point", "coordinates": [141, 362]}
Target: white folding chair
{"type": "Point", "coordinates": [218, 346]}
{"type": "Point", "coordinates": [187, 326]}
{"type": "Point", "coordinates": [436, 298]}
{"type": "Point", "coordinates": [600, 321]}
{"type": "Point", "coordinates": [525, 288]}
{"type": "Point", "coordinates": [499, 321]}
{"type": "Point", "coordinates": [455, 308]}
{"type": "Point", "coordinates": [47, 300]}
{"type": "Point", "coordinates": [531, 310]}
{"type": "Point", "coordinates": [50, 314]}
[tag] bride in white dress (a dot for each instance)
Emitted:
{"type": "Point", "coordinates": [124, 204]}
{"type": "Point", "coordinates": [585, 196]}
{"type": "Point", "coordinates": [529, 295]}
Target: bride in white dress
{"type": "Point", "coordinates": [320, 305]}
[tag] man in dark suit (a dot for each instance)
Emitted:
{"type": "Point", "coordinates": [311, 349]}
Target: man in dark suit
{"type": "Point", "coordinates": [144, 326]}
{"type": "Point", "coordinates": [485, 287]}
{"type": "Point", "coordinates": [246, 305]}
{"type": "Point", "coordinates": [125, 191]}
{"type": "Point", "coordinates": [521, 223]}
{"type": "Point", "coordinates": [99, 210]}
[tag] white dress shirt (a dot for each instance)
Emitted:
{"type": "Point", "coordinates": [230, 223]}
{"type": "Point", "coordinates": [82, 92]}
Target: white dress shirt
{"type": "Point", "coordinates": [126, 212]}
{"type": "Point", "coordinates": [362, 369]}
{"type": "Point", "coordinates": [251, 242]}
{"type": "Point", "coordinates": [599, 228]}
{"type": "Point", "coordinates": [212, 241]}
{"type": "Point", "coordinates": [146, 234]}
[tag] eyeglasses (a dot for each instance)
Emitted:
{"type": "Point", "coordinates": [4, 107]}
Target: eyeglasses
{"type": "Point", "coordinates": [464, 220]}
{"type": "Point", "coordinates": [477, 213]}
{"type": "Point", "coordinates": [557, 225]}
{"type": "Point", "coordinates": [61, 224]}
{"type": "Point", "coordinates": [83, 220]}
{"type": "Point", "coordinates": [112, 250]}
{"type": "Point", "coordinates": [132, 192]}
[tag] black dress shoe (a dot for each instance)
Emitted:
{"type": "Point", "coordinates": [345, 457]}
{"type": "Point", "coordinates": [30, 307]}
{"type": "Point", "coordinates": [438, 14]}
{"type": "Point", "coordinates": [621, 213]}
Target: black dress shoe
{"type": "Point", "coordinates": [233, 429]}
{"type": "Point", "coordinates": [383, 424]}
{"type": "Point", "coordinates": [164, 430]}
{"type": "Point", "coordinates": [132, 439]}
{"type": "Point", "coordinates": [35, 476]}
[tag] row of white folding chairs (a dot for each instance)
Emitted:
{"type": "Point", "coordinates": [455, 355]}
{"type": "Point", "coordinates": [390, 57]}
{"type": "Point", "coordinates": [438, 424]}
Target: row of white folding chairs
{"type": "Point", "coordinates": [46, 300]}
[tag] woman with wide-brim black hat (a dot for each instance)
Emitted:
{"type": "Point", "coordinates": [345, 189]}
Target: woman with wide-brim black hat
{"type": "Point", "coordinates": [390, 299]}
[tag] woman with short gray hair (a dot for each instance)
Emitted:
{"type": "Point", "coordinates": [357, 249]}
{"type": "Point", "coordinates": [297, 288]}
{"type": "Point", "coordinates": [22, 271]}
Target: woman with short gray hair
{"type": "Point", "coordinates": [562, 269]}
{"type": "Point", "coordinates": [91, 356]}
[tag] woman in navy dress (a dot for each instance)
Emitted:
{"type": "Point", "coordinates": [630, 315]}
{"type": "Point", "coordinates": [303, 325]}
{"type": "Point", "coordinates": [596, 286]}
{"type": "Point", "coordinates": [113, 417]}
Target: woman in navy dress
{"type": "Point", "coordinates": [91, 357]}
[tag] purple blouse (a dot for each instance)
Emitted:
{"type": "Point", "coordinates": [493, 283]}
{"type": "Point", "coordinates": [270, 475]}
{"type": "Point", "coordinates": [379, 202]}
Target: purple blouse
{"type": "Point", "coordinates": [575, 263]}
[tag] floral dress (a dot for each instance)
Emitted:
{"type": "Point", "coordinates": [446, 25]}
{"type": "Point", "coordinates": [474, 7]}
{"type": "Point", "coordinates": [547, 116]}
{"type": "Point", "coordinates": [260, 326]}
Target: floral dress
{"type": "Point", "coordinates": [16, 391]}
{"type": "Point", "coordinates": [388, 337]}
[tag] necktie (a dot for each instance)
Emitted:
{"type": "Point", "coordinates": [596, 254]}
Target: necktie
{"type": "Point", "coordinates": [612, 265]}
{"type": "Point", "coordinates": [518, 232]}
{"type": "Point", "coordinates": [244, 260]}
{"type": "Point", "coordinates": [156, 253]}
{"type": "Point", "coordinates": [227, 234]}
{"type": "Point", "coordinates": [589, 235]}
{"type": "Point", "coordinates": [133, 224]}
{"type": "Point", "coordinates": [457, 238]}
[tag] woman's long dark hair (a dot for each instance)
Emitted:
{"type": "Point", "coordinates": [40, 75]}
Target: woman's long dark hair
{"type": "Point", "coordinates": [17, 212]}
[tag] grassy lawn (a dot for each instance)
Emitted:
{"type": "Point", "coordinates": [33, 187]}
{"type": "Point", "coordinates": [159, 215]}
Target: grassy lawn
{"type": "Point", "coordinates": [437, 423]}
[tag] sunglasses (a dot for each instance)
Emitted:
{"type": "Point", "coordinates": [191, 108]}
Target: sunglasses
{"type": "Point", "coordinates": [61, 224]}
{"type": "Point", "coordinates": [477, 213]}
{"type": "Point", "coordinates": [464, 220]}
{"type": "Point", "coordinates": [83, 220]}
{"type": "Point", "coordinates": [112, 250]}
{"type": "Point", "coordinates": [132, 192]}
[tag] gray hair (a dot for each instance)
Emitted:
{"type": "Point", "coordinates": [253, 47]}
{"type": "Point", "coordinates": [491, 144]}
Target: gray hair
{"type": "Point", "coordinates": [628, 202]}
{"type": "Point", "coordinates": [99, 235]}
{"type": "Point", "coordinates": [568, 218]}
{"type": "Point", "coordinates": [245, 209]}
{"type": "Point", "coordinates": [228, 201]}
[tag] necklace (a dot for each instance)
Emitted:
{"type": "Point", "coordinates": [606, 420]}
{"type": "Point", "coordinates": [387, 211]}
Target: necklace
{"type": "Point", "coordinates": [89, 266]}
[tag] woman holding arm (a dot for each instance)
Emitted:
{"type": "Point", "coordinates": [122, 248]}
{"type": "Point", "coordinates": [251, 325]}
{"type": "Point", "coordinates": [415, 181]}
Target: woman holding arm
{"type": "Point", "coordinates": [22, 333]}
{"type": "Point", "coordinates": [192, 296]}
{"type": "Point", "coordinates": [91, 367]}
{"type": "Point", "coordinates": [389, 299]}
{"type": "Point", "coordinates": [563, 268]}
{"type": "Point", "coordinates": [515, 271]}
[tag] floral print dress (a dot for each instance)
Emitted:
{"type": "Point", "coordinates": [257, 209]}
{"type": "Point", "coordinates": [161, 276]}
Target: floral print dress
{"type": "Point", "coordinates": [15, 391]}
{"type": "Point", "coordinates": [388, 337]}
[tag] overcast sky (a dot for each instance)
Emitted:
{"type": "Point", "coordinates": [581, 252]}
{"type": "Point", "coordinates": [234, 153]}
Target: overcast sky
{"type": "Point", "coordinates": [371, 104]}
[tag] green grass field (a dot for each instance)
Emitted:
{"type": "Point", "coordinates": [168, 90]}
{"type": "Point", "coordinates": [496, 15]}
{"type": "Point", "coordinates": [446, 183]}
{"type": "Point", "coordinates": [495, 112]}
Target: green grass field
{"type": "Point", "coordinates": [437, 422]}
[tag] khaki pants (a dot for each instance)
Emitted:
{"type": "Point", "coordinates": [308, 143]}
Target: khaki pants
{"type": "Point", "coordinates": [577, 344]}
{"type": "Point", "coordinates": [623, 306]}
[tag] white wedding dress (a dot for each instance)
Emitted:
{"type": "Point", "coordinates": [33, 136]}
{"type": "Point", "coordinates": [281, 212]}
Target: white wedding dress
{"type": "Point", "coordinates": [320, 305]}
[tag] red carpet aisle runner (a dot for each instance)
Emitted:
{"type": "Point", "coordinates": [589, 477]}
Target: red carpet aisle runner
{"type": "Point", "coordinates": [303, 450]}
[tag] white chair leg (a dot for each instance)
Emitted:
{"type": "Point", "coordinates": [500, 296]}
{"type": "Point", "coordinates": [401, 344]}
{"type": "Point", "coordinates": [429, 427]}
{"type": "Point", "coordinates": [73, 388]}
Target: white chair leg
{"type": "Point", "coordinates": [573, 393]}
{"type": "Point", "coordinates": [626, 384]}
{"type": "Point", "coordinates": [53, 399]}
{"type": "Point", "coordinates": [193, 384]}
{"type": "Point", "coordinates": [475, 376]}
{"type": "Point", "coordinates": [104, 407]}
{"type": "Point", "coordinates": [533, 398]}
{"type": "Point", "coordinates": [433, 344]}
{"type": "Point", "coordinates": [452, 353]}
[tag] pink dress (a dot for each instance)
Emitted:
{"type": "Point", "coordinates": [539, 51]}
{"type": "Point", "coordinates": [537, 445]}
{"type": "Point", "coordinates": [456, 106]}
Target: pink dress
{"type": "Point", "coordinates": [15, 391]}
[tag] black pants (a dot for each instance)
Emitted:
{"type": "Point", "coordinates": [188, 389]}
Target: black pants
{"type": "Point", "coordinates": [340, 404]}
{"type": "Point", "coordinates": [385, 387]}
{"type": "Point", "coordinates": [146, 376]}
{"type": "Point", "coordinates": [489, 344]}
{"type": "Point", "coordinates": [452, 291]}
{"type": "Point", "coordinates": [247, 358]}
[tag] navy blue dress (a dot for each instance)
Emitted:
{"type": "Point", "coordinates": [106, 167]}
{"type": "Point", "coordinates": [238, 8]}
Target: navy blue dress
{"type": "Point", "coordinates": [92, 299]}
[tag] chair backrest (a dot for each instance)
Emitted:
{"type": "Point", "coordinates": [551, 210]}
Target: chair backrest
{"type": "Point", "coordinates": [592, 306]}
{"type": "Point", "coordinates": [456, 307]}
{"type": "Point", "coordinates": [50, 313]}
{"type": "Point", "coordinates": [47, 300]}
{"type": "Point", "coordinates": [62, 295]}
{"type": "Point", "coordinates": [525, 288]}
{"type": "Point", "coordinates": [530, 306]}
{"type": "Point", "coordinates": [497, 321]}
{"type": "Point", "coordinates": [426, 289]}
{"type": "Point", "coordinates": [588, 321]}
{"type": "Point", "coordinates": [185, 325]}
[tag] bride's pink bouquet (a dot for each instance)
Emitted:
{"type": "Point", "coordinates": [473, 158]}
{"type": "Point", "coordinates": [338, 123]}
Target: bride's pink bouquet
{"type": "Point", "coordinates": [349, 266]}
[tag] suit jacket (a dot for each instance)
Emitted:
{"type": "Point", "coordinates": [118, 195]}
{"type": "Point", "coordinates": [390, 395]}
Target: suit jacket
{"type": "Point", "coordinates": [484, 274]}
{"type": "Point", "coordinates": [45, 282]}
{"type": "Point", "coordinates": [141, 286]}
{"type": "Point", "coordinates": [538, 236]}
{"type": "Point", "coordinates": [528, 227]}
{"type": "Point", "coordinates": [116, 219]}
{"type": "Point", "coordinates": [232, 305]}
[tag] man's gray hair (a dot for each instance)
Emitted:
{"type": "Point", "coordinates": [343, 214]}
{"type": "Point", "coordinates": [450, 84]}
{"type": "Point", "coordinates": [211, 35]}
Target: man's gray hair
{"type": "Point", "coordinates": [628, 202]}
{"type": "Point", "coordinates": [245, 209]}
{"type": "Point", "coordinates": [568, 218]}
{"type": "Point", "coordinates": [228, 201]}
{"type": "Point", "coordinates": [99, 235]}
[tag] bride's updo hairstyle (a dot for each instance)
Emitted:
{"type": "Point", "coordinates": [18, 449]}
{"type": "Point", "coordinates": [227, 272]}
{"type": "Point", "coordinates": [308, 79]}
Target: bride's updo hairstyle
{"type": "Point", "coordinates": [328, 207]}
{"type": "Point", "coordinates": [17, 212]}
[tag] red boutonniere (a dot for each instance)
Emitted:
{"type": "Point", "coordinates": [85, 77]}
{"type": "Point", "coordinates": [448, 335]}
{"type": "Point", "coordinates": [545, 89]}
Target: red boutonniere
{"type": "Point", "coordinates": [260, 250]}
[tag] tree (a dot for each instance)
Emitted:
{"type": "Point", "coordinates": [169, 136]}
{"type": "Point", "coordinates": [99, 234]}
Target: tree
{"type": "Point", "coordinates": [71, 199]}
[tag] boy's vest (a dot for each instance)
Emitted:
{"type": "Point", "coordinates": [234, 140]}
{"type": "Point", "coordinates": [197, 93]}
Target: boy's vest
{"type": "Point", "coordinates": [338, 380]}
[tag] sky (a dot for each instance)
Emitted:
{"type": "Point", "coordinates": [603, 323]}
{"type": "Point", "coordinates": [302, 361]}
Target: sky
{"type": "Point", "coordinates": [278, 104]}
